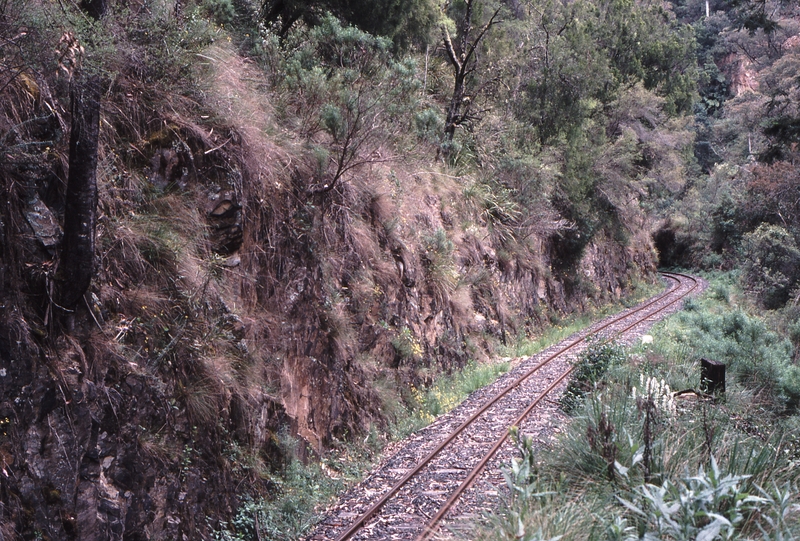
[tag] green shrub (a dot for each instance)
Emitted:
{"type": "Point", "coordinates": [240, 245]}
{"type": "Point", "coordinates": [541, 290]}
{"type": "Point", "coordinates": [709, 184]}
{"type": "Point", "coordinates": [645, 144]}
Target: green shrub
{"type": "Point", "coordinates": [756, 356]}
{"type": "Point", "coordinates": [707, 506]}
{"type": "Point", "coordinates": [341, 81]}
{"type": "Point", "coordinates": [429, 125]}
{"type": "Point", "coordinates": [222, 11]}
{"type": "Point", "coordinates": [291, 510]}
{"type": "Point", "coordinates": [772, 264]}
{"type": "Point", "coordinates": [589, 371]}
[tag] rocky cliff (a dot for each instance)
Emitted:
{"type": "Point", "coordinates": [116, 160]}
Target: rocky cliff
{"type": "Point", "coordinates": [232, 301]}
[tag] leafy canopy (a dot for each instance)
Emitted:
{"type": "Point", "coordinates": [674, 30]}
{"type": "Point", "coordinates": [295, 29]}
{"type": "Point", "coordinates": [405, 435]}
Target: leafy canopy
{"type": "Point", "coordinates": [405, 22]}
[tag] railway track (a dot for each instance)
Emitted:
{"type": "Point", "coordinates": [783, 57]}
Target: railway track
{"type": "Point", "coordinates": [422, 484]}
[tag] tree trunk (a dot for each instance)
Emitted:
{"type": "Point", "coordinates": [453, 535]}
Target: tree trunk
{"type": "Point", "coordinates": [453, 118]}
{"type": "Point", "coordinates": [464, 64]}
{"type": "Point", "coordinates": [77, 255]}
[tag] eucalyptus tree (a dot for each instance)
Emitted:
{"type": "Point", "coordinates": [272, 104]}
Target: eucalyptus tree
{"type": "Point", "coordinates": [463, 58]}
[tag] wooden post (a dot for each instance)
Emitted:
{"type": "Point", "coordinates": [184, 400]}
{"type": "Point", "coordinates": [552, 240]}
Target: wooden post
{"type": "Point", "coordinates": [712, 377]}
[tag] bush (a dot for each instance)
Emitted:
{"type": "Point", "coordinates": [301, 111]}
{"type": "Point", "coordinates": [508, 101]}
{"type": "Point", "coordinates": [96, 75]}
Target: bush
{"type": "Point", "coordinates": [589, 371]}
{"type": "Point", "coordinates": [707, 506]}
{"type": "Point", "coordinates": [756, 356]}
{"type": "Point", "coordinates": [286, 517]}
{"type": "Point", "coordinates": [222, 11]}
{"type": "Point", "coordinates": [429, 125]}
{"type": "Point", "coordinates": [772, 264]}
{"type": "Point", "coordinates": [441, 273]}
{"type": "Point", "coordinates": [346, 93]}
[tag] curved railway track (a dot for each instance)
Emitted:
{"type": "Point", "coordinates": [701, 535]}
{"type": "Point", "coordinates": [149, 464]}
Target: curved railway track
{"type": "Point", "coordinates": [410, 496]}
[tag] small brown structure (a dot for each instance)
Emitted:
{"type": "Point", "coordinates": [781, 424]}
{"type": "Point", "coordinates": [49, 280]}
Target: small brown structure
{"type": "Point", "coordinates": [712, 377]}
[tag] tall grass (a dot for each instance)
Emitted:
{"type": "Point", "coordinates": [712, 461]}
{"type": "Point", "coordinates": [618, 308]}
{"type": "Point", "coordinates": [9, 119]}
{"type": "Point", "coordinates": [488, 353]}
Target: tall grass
{"type": "Point", "coordinates": [298, 492]}
{"type": "Point", "coordinates": [651, 465]}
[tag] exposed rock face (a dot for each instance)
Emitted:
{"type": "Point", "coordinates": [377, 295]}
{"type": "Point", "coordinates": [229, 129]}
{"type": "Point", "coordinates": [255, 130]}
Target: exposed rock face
{"type": "Point", "coordinates": [43, 222]}
{"type": "Point", "coordinates": [122, 431]}
{"type": "Point", "coordinates": [182, 160]}
{"type": "Point", "coordinates": [738, 71]}
{"type": "Point", "coordinates": [411, 315]}
{"type": "Point", "coordinates": [231, 307]}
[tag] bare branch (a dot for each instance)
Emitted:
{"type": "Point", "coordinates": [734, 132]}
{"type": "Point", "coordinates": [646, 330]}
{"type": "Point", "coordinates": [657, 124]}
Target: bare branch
{"type": "Point", "coordinates": [451, 53]}
{"type": "Point", "coordinates": [482, 33]}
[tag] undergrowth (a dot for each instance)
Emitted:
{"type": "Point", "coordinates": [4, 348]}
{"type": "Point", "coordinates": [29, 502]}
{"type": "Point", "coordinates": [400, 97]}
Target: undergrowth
{"type": "Point", "coordinates": [590, 370]}
{"type": "Point", "coordinates": [639, 461]}
{"type": "Point", "coordinates": [303, 490]}
{"type": "Point", "coordinates": [298, 490]}
{"type": "Point", "coordinates": [450, 390]}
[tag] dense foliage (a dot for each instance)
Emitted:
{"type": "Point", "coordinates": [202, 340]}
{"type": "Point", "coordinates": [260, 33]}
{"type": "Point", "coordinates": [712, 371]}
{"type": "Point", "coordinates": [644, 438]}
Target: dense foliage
{"type": "Point", "coordinates": [740, 210]}
{"type": "Point", "coordinates": [639, 462]}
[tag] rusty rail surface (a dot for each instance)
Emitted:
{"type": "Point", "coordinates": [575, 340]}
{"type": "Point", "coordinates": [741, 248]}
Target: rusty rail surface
{"type": "Point", "coordinates": [432, 525]}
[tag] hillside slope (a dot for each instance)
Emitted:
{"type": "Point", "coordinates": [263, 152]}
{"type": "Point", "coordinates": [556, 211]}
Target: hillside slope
{"type": "Point", "coordinates": [243, 288]}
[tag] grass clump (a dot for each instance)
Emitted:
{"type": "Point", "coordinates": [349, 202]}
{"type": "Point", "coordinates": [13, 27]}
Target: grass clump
{"type": "Point", "coordinates": [298, 493]}
{"type": "Point", "coordinates": [289, 513]}
{"type": "Point", "coordinates": [639, 461]}
{"type": "Point", "coordinates": [447, 392]}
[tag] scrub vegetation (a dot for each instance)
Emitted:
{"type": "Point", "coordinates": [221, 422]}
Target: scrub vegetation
{"type": "Point", "coordinates": [246, 244]}
{"type": "Point", "coordinates": [640, 461]}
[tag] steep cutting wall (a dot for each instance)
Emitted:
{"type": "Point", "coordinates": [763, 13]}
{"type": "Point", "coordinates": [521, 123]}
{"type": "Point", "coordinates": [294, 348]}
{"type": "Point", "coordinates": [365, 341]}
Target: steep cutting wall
{"type": "Point", "coordinates": [231, 303]}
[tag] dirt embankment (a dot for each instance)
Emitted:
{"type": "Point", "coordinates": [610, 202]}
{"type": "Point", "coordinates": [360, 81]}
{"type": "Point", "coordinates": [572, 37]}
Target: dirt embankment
{"type": "Point", "coordinates": [232, 302]}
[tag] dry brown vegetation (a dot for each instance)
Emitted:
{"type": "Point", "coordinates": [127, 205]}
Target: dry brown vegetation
{"type": "Point", "coordinates": [254, 272]}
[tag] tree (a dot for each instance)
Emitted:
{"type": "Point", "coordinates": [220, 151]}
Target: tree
{"type": "Point", "coordinates": [405, 22]}
{"type": "Point", "coordinates": [80, 211]}
{"type": "Point", "coordinates": [772, 264]}
{"type": "Point", "coordinates": [463, 57]}
{"type": "Point", "coordinates": [565, 70]}
{"type": "Point", "coordinates": [77, 254]}
{"type": "Point", "coordinates": [753, 15]}
{"type": "Point", "coordinates": [781, 124]}
{"type": "Point", "coordinates": [585, 53]}
{"type": "Point", "coordinates": [773, 195]}
{"type": "Point", "coordinates": [351, 96]}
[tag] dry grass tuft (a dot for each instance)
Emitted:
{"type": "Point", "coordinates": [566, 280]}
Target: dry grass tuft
{"type": "Point", "coordinates": [382, 209]}
{"type": "Point", "coordinates": [204, 399]}
{"type": "Point", "coordinates": [363, 241]}
{"type": "Point", "coordinates": [461, 307]}
{"type": "Point", "coordinates": [160, 446]}
{"type": "Point", "coordinates": [235, 91]}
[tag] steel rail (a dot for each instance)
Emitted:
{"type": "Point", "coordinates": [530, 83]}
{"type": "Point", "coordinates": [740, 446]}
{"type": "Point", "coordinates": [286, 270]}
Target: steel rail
{"type": "Point", "coordinates": [433, 523]}
{"type": "Point", "coordinates": [374, 508]}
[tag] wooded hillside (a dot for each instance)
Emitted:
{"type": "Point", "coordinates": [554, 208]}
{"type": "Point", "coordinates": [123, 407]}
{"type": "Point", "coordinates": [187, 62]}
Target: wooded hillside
{"type": "Point", "coordinates": [233, 233]}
